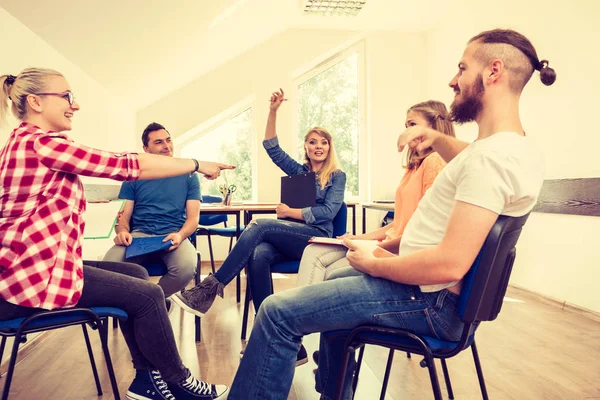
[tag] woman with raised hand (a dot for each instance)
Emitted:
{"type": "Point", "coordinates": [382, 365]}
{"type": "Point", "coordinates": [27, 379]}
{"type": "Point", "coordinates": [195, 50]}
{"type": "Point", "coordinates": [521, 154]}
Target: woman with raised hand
{"type": "Point", "coordinates": [267, 241]}
{"type": "Point", "coordinates": [322, 261]}
{"type": "Point", "coordinates": [42, 205]}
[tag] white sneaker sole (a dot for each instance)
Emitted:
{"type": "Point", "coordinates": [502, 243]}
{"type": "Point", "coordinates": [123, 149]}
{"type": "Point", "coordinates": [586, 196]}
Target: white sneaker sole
{"type": "Point", "coordinates": [174, 298]}
{"type": "Point", "coordinates": [224, 395]}
{"type": "Point", "coordinates": [135, 396]}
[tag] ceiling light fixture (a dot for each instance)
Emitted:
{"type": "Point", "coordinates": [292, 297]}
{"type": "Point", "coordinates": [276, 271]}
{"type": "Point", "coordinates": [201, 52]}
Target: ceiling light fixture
{"type": "Point", "coordinates": [345, 8]}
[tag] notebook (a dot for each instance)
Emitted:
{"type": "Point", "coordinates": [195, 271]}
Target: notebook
{"type": "Point", "coordinates": [299, 191]}
{"type": "Point", "coordinates": [146, 245]}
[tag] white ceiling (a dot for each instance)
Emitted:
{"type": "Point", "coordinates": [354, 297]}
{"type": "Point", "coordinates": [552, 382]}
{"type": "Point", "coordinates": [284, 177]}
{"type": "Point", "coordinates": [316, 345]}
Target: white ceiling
{"type": "Point", "coordinates": [141, 50]}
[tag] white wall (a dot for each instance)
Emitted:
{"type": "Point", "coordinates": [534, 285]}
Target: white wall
{"type": "Point", "coordinates": [101, 122]}
{"type": "Point", "coordinates": [556, 254]}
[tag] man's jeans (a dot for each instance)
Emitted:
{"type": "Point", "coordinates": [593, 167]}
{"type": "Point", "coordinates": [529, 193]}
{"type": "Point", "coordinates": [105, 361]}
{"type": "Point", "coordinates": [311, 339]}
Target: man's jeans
{"type": "Point", "coordinates": [267, 368]}
{"type": "Point", "coordinates": [264, 243]}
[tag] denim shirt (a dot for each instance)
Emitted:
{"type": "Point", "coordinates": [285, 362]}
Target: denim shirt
{"type": "Point", "coordinates": [329, 199]}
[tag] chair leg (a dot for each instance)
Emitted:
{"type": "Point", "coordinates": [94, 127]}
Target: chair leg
{"type": "Point", "coordinates": [92, 361]}
{"type": "Point", "coordinates": [247, 300]}
{"type": "Point", "coordinates": [408, 355]}
{"type": "Point", "coordinates": [238, 288]}
{"type": "Point", "coordinates": [115, 323]}
{"type": "Point", "coordinates": [447, 379]}
{"type": "Point", "coordinates": [11, 366]}
{"type": "Point", "coordinates": [198, 323]}
{"type": "Point", "coordinates": [111, 372]}
{"type": "Point", "coordinates": [357, 370]}
{"type": "Point", "coordinates": [484, 394]}
{"type": "Point", "coordinates": [197, 320]}
{"type": "Point", "coordinates": [342, 372]}
{"type": "Point", "coordinates": [2, 346]}
{"type": "Point", "coordinates": [210, 250]}
{"type": "Point", "coordinates": [388, 369]}
{"type": "Point", "coordinates": [435, 383]}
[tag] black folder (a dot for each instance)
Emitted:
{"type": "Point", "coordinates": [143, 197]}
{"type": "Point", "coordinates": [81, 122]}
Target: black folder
{"type": "Point", "coordinates": [299, 191]}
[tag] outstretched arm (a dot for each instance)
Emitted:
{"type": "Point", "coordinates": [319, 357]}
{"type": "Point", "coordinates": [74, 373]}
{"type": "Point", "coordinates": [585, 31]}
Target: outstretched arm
{"type": "Point", "coordinates": [420, 138]}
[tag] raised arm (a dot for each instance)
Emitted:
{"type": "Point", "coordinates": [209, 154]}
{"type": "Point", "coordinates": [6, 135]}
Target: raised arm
{"type": "Point", "coordinates": [271, 142]}
{"type": "Point", "coordinates": [276, 99]}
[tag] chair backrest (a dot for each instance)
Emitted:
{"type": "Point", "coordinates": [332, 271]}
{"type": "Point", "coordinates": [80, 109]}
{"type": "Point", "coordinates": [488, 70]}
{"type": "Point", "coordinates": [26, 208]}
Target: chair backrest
{"type": "Point", "coordinates": [211, 219]}
{"type": "Point", "coordinates": [340, 220]}
{"type": "Point", "coordinates": [485, 284]}
{"type": "Point", "coordinates": [389, 217]}
{"type": "Point", "coordinates": [207, 198]}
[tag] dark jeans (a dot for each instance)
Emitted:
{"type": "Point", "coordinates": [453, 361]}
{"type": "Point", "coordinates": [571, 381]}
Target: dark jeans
{"type": "Point", "coordinates": [148, 332]}
{"type": "Point", "coordinates": [265, 242]}
{"type": "Point", "coordinates": [267, 368]}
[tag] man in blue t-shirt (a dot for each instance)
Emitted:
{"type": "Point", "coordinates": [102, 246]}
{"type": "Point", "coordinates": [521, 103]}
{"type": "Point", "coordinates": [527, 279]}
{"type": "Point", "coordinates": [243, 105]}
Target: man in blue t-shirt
{"type": "Point", "coordinates": [168, 206]}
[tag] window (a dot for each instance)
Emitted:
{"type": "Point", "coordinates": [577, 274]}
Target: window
{"type": "Point", "coordinates": [230, 142]}
{"type": "Point", "coordinates": [330, 96]}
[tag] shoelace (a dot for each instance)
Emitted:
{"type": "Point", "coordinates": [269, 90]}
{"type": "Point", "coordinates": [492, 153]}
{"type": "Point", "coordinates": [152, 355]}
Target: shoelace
{"type": "Point", "coordinates": [196, 386]}
{"type": "Point", "coordinates": [162, 385]}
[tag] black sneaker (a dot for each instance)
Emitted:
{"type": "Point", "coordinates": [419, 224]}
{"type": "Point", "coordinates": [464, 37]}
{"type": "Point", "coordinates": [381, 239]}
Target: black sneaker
{"type": "Point", "coordinates": [192, 388]}
{"type": "Point", "coordinates": [198, 299]}
{"type": "Point", "coordinates": [302, 357]}
{"type": "Point", "coordinates": [149, 385]}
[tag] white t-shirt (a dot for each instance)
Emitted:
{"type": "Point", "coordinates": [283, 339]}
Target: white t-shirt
{"type": "Point", "coordinates": [502, 173]}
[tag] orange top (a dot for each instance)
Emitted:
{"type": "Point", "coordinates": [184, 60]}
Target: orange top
{"type": "Point", "coordinates": [412, 187]}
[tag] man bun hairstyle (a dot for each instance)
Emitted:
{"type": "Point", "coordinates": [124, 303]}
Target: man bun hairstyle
{"type": "Point", "coordinates": [519, 42]}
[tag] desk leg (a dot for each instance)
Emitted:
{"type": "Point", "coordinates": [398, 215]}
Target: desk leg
{"type": "Point", "coordinates": [354, 220]}
{"type": "Point", "coordinates": [364, 220]}
{"type": "Point", "coordinates": [238, 281]}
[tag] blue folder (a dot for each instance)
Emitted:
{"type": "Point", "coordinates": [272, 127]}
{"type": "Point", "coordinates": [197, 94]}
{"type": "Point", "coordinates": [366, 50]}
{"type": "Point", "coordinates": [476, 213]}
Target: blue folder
{"type": "Point", "coordinates": [146, 245]}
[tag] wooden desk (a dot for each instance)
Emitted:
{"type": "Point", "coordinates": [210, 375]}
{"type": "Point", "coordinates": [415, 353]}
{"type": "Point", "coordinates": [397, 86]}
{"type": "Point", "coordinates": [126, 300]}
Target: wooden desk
{"type": "Point", "coordinates": [258, 208]}
{"type": "Point", "coordinates": [374, 206]}
{"type": "Point", "coordinates": [228, 210]}
{"type": "Point", "coordinates": [266, 208]}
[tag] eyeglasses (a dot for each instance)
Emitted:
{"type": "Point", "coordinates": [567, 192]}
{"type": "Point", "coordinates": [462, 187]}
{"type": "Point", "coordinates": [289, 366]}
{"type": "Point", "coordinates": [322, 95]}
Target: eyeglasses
{"type": "Point", "coordinates": [70, 97]}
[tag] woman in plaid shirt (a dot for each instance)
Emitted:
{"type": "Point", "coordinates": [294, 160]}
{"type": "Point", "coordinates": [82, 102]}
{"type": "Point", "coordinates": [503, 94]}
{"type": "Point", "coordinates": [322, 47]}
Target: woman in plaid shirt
{"type": "Point", "coordinates": [41, 219]}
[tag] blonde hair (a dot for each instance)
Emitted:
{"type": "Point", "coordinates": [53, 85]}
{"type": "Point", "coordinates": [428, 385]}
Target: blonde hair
{"type": "Point", "coordinates": [29, 81]}
{"type": "Point", "coordinates": [331, 163]}
{"type": "Point", "coordinates": [436, 114]}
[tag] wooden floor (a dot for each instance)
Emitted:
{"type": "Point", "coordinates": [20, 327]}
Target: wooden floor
{"type": "Point", "coordinates": [534, 350]}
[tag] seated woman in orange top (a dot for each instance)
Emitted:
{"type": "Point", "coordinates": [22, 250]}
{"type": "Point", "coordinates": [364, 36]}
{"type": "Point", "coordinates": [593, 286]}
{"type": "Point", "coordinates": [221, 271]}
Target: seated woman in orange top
{"type": "Point", "coordinates": [319, 261]}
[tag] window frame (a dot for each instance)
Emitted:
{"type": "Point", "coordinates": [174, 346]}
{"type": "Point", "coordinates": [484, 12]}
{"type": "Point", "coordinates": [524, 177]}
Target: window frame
{"type": "Point", "coordinates": [216, 121]}
{"type": "Point", "coordinates": [363, 140]}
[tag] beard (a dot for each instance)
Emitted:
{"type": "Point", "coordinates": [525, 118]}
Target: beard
{"type": "Point", "coordinates": [471, 106]}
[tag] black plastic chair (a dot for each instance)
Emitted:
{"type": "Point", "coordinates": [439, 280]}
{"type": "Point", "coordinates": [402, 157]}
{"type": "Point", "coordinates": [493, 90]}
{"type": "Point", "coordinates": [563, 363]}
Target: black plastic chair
{"type": "Point", "coordinates": [96, 317]}
{"type": "Point", "coordinates": [206, 227]}
{"type": "Point", "coordinates": [292, 267]}
{"type": "Point", "coordinates": [481, 299]}
{"type": "Point", "coordinates": [387, 219]}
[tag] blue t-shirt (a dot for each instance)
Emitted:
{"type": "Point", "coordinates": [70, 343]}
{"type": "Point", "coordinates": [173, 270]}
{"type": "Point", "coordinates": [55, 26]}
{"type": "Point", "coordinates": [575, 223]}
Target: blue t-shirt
{"type": "Point", "coordinates": [159, 205]}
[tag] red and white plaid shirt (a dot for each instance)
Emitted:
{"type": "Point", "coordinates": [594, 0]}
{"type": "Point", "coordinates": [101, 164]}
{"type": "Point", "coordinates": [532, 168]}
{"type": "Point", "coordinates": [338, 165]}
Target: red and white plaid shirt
{"type": "Point", "coordinates": [41, 207]}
